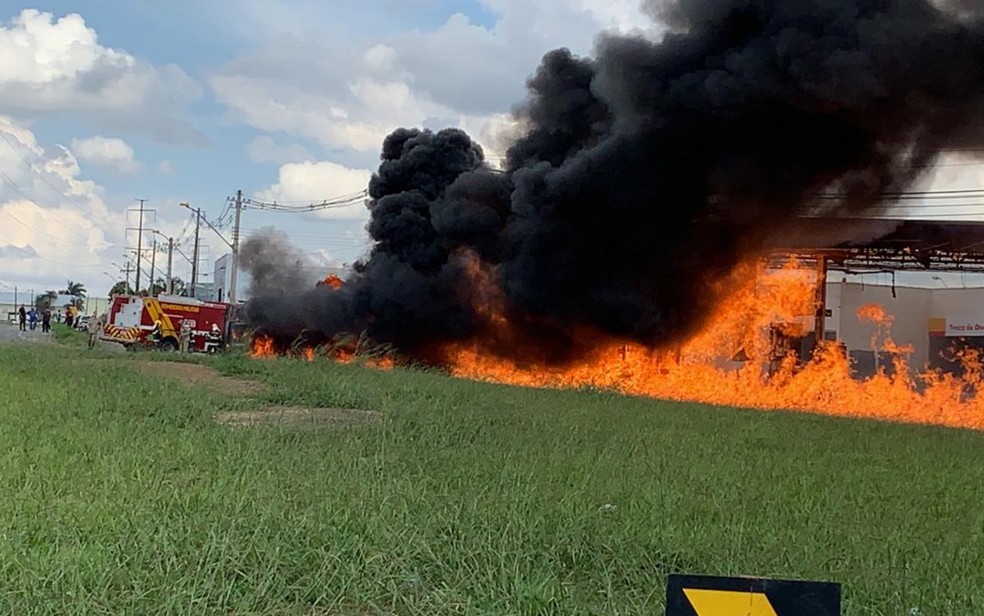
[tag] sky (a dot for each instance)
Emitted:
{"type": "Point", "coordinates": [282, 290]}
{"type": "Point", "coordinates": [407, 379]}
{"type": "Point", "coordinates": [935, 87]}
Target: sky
{"type": "Point", "coordinates": [103, 103]}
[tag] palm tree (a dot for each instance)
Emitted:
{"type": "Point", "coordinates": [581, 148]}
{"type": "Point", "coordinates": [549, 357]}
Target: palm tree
{"type": "Point", "coordinates": [77, 291]}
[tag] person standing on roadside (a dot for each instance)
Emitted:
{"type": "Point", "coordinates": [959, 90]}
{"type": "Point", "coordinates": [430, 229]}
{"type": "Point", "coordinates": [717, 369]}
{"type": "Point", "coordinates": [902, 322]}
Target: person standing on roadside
{"type": "Point", "coordinates": [184, 334]}
{"type": "Point", "coordinates": [22, 318]}
{"type": "Point", "coordinates": [32, 318]}
{"type": "Point", "coordinates": [95, 326]}
{"type": "Point", "coordinates": [46, 321]}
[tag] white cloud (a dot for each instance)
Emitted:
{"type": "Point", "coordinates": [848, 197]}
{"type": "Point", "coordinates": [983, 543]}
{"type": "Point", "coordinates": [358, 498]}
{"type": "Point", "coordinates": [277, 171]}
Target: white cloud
{"type": "Point", "coordinates": [106, 151]}
{"type": "Point", "coordinates": [352, 119]}
{"type": "Point", "coordinates": [319, 181]}
{"type": "Point", "coordinates": [264, 149]}
{"type": "Point", "coordinates": [53, 224]}
{"type": "Point", "coordinates": [58, 66]}
{"type": "Point", "coordinates": [348, 97]}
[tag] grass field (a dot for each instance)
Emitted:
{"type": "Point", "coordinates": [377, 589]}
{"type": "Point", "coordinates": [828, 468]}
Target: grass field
{"type": "Point", "coordinates": [121, 494]}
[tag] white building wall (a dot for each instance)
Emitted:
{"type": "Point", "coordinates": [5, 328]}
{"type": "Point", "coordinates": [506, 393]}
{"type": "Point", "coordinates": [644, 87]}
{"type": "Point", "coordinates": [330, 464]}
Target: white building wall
{"type": "Point", "coordinates": [914, 310]}
{"type": "Point", "coordinates": [908, 306]}
{"type": "Point", "coordinates": [961, 309]}
{"type": "Point", "coordinates": [223, 280]}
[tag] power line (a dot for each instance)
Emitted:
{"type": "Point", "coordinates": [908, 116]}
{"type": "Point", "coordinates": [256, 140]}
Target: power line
{"type": "Point", "coordinates": [933, 194]}
{"type": "Point", "coordinates": [347, 197]}
{"type": "Point", "coordinates": [184, 229]}
{"type": "Point", "coordinates": [7, 180]}
{"type": "Point", "coordinates": [51, 244]}
{"type": "Point", "coordinates": [41, 176]}
{"type": "Point", "coordinates": [341, 202]}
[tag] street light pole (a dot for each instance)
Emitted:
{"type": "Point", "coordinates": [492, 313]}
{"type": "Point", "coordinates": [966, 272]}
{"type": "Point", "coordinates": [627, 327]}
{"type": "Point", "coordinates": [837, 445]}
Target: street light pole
{"type": "Point", "coordinates": [126, 269]}
{"type": "Point", "coordinates": [115, 280]}
{"type": "Point", "coordinates": [194, 258]}
{"type": "Point", "coordinates": [234, 245]}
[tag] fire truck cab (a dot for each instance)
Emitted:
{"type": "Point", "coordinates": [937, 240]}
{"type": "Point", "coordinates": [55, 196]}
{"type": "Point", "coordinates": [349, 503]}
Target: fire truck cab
{"type": "Point", "coordinates": [131, 320]}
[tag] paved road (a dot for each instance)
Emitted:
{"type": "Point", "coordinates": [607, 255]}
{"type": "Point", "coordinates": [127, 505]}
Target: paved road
{"type": "Point", "coordinates": [11, 333]}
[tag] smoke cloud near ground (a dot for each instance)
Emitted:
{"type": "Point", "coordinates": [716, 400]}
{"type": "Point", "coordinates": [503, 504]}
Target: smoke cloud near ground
{"type": "Point", "coordinates": [276, 266]}
{"type": "Point", "coordinates": [646, 173]}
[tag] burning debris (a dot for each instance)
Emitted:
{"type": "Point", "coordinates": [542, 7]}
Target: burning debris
{"type": "Point", "coordinates": [647, 179]}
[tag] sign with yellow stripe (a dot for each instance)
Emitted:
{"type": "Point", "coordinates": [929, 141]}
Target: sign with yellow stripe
{"type": "Point", "coordinates": [127, 334]}
{"type": "Point", "coordinates": [688, 595]}
{"type": "Point", "coordinates": [153, 308]}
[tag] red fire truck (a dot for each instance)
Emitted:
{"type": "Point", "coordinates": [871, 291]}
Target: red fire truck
{"type": "Point", "coordinates": [131, 319]}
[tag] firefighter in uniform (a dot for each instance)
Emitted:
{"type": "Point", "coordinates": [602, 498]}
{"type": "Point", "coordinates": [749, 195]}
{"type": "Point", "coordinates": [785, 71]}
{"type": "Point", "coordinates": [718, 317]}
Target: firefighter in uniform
{"type": "Point", "coordinates": [155, 334]}
{"type": "Point", "coordinates": [213, 340]}
{"type": "Point", "coordinates": [185, 335]}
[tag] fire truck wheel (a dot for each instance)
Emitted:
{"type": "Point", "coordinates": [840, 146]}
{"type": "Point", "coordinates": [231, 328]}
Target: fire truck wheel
{"type": "Point", "coordinates": [169, 346]}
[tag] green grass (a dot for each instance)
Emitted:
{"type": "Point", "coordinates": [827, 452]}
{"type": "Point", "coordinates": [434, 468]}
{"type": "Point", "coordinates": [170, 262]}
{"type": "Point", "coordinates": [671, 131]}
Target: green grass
{"type": "Point", "coordinates": [67, 335]}
{"type": "Point", "coordinates": [121, 495]}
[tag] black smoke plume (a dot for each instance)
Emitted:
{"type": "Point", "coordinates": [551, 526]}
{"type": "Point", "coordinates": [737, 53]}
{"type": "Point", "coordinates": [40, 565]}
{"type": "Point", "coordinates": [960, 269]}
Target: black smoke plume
{"type": "Point", "coordinates": [644, 174]}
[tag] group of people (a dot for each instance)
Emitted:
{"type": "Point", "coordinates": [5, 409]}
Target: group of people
{"type": "Point", "coordinates": [30, 318]}
{"type": "Point", "coordinates": [185, 336]}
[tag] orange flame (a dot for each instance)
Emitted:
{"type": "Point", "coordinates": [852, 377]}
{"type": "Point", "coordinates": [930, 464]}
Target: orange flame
{"type": "Point", "coordinates": [383, 363]}
{"type": "Point", "coordinates": [263, 348]}
{"type": "Point", "coordinates": [873, 313]}
{"type": "Point", "coordinates": [742, 356]}
{"type": "Point", "coordinates": [331, 280]}
{"type": "Point", "coordinates": [343, 356]}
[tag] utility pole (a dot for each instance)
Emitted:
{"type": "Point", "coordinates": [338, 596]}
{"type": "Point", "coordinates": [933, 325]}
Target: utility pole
{"type": "Point", "coordinates": [196, 254]}
{"type": "Point", "coordinates": [153, 263]}
{"type": "Point", "coordinates": [170, 257]}
{"type": "Point", "coordinates": [140, 231]}
{"type": "Point", "coordinates": [128, 270]}
{"type": "Point", "coordinates": [169, 285]}
{"type": "Point", "coordinates": [140, 242]}
{"type": "Point", "coordinates": [194, 259]}
{"type": "Point", "coordinates": [235, 247]}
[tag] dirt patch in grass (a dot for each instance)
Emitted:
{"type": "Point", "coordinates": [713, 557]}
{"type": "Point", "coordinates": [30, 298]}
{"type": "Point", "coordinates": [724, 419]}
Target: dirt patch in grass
{"type": "Point", "coordinates": [197, 374]}
{"type": "Point", "coordinates": [300, 416]}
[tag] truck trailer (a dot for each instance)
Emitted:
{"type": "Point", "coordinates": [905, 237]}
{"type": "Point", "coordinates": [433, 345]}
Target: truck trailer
{"type": "Point", "coordinates": [131, 321]}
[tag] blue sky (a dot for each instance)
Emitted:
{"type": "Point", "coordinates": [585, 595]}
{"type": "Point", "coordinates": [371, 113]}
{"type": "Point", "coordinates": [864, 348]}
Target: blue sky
{"type": "Point", "coordinates": [105, 102]}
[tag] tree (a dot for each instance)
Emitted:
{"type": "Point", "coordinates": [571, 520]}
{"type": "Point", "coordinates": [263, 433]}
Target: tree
{"type": "Point", "coordinates": [46, 300]}
{"type": "Point", "coordinates": [159, 286]}
{"type": "Point", "coordinates": [120, 288]}
{"type": "Point", "coordinates": [77, 291]}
